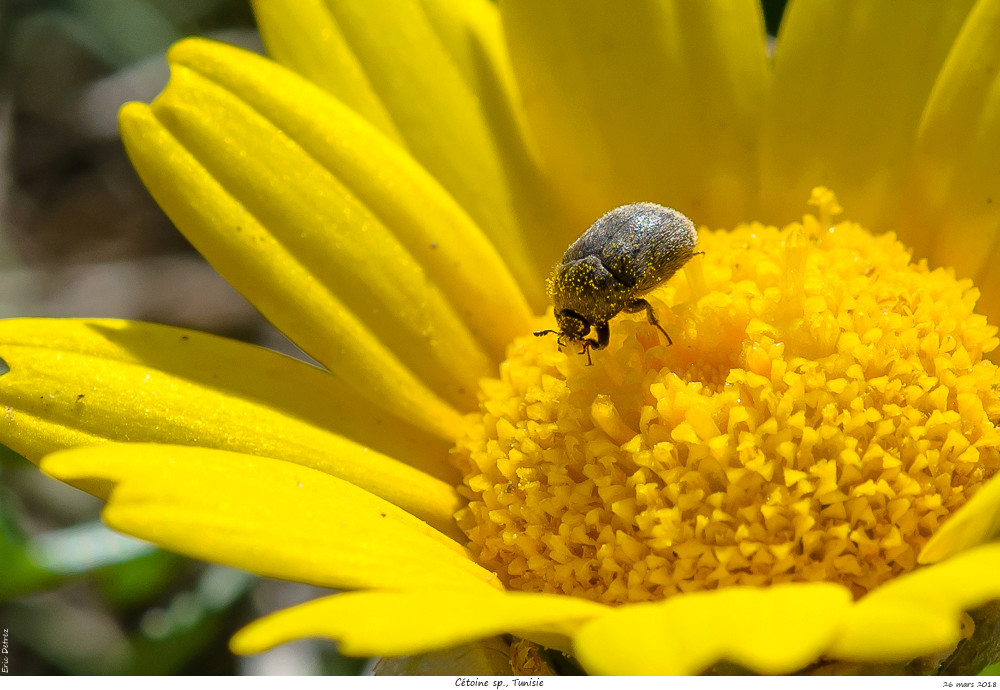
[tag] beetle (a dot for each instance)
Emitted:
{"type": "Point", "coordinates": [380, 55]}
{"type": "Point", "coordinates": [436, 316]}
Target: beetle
{"type": "Point", "coordinates": [626, 253]}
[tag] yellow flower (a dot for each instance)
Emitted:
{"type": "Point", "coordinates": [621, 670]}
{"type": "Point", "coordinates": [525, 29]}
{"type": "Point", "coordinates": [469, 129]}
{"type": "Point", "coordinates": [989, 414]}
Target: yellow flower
{"type": "Point", "coordinates": [803, 475]}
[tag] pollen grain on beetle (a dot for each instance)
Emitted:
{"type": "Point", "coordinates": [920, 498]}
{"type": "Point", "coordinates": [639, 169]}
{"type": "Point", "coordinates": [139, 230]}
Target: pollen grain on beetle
{"type": "Point", "coordinates": [825, 407]}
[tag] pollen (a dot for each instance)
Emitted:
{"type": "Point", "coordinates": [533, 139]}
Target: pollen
{"type": "Point", "coordinates": [824, 408]}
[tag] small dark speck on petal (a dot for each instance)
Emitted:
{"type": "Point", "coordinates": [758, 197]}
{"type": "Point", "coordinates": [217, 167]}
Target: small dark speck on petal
{"type": "Point", "coordinates": [382, 514]}
{"type": "Point", "coordinates": [185, 337]}
{"type": "Point", "coordinates": [434, 245]}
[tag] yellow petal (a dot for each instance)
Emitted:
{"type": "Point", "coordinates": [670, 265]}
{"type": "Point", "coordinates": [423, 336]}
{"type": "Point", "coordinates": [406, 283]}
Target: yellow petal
{"type": "Point", "coordinates": [485, 66]}
{"type": "Point", "coordinates": [397, 623]}
{"type": "Point", "coordinates": [973, 524]}
{"type": "Point", "coordinates": [323, 230]}
{"type": "Point", "coordinates": [267, 516]}
{"type": "Point", "coordinates": [304, 37]}
{"type": "Point", "coordinates": [413, 206]}
{"type": "Point", "coordinates": [777, 629]}
{"type": "Point", "coordinates": [952, 202]}
{"type": "Point", "coordinates": [77, 382]}
{"type": "Point", "coordinates": [437, 74]}
{"type": "Point", "coordinates": [886, 631]}
{"type": "Point", "coordinates": [644, 101]}
{"type": "Point", "coordinates": [918, 613]}
{"type": "Point", "coordinates": [959, 583]}
{"type": "Point", "coordinates": [850, 83]}
{"type": "Point", "coordinates": [282, 230]}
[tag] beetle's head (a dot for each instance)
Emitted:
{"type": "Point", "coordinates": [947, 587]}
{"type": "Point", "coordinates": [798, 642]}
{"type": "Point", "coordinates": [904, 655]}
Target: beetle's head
{"type": "Point", "coordinates": [572, 326]}
{"type": "Point", "coordinates": [575, 328]}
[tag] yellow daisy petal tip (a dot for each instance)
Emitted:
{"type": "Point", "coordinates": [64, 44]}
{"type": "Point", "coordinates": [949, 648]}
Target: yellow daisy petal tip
{"type": "Point", "coordinates": [267, 516]}
{"type": "Point", "coordinates": [771, 630]}
{"type": "Point", "coordinates": [895, 632]}
{"type": "Point", "coordinates": [395, 623]}
{"type": "Point", "coordinates": [85, 471]}
{"type": "Point", "coordinates": [254, 639]}
{"type": "Point", "coordinates": [130, 111]}
{"type": "Point", "coordinates": [194, 46]}
{"type": "Point", "coordinates": [133, 120]}
{"type": "Point", "coordinates": [924, 613]}
{"type": "Point", "coordinates": [78, 463]}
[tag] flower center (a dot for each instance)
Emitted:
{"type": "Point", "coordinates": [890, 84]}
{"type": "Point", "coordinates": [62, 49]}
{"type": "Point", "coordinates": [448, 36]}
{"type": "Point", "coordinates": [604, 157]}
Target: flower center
{"type": "Point", "coordinates": [824, 408]}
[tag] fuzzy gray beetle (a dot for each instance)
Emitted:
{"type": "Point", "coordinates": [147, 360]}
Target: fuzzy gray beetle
{"type": "Point", "coordinates": [625, 254]}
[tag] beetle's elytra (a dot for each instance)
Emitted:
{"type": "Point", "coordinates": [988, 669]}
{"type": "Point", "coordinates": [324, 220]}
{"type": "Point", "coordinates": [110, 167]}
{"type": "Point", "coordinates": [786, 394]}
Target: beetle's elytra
{"type": "Point", "coordinates": [625, 254]}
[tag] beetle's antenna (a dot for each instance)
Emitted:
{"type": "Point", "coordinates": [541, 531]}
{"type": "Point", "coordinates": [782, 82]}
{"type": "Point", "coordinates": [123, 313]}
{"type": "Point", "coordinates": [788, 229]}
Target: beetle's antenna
{"type": "Point", "coordinates": [558, 334]}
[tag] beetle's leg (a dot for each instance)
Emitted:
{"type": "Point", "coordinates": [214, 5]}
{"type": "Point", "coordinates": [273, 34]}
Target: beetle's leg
{"type": "Point", "coordinates": [603, 336]}
{"type": "Point", "coordinates": [637, 304]}
{"type": "Point", "coordinates": [539, 334]}
{"type": "Point", "coordinates": [587, 344]}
